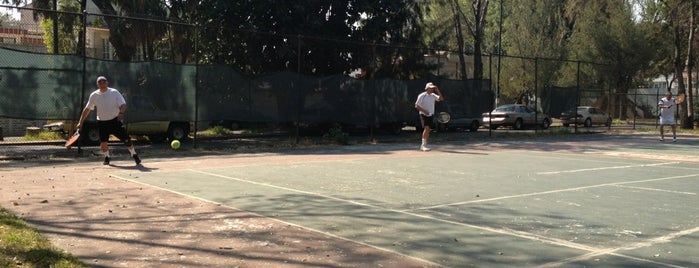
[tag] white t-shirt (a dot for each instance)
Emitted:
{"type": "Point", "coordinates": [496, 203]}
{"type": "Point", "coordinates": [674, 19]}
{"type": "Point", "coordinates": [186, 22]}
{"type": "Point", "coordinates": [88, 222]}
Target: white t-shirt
{"type": "Point", "coordinates": [107, 103]}
{"type": "Point", "coordinates": [426, 101]}
{"type": "Point", "coordinates": [670, 111]}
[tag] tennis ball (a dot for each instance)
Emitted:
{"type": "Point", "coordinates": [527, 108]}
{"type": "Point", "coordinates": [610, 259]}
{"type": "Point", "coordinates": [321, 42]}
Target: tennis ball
{"type": "Point", "coordinates": [175, 144]}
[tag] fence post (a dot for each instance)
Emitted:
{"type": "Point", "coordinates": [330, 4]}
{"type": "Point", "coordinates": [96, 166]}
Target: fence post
{"type": "Point", "coordinates": [577, 101]}
{"type": "Point", "coordinates": [536, 92]}
{"type": "Point", "coordinates": [196, 85]}
{"type": "Point", "coordinates": [84, 71]}
{"type": "Point", "coordinates": [635, 104]}
{"type": "Point", "coordinates": [298, 89]}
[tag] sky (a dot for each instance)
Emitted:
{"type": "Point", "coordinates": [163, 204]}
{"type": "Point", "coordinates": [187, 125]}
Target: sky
{"type": "Point", "coordinates": [12, 11]}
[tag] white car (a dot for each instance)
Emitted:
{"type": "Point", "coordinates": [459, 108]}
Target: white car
{"type": "Point", "coordinates": [586, 116]}
{"type": "Point", "coordinates": [516, 115]}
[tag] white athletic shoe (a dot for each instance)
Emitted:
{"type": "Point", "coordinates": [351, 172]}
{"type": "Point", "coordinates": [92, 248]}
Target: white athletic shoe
{"type": "Point", "coordinates": [424, 148]}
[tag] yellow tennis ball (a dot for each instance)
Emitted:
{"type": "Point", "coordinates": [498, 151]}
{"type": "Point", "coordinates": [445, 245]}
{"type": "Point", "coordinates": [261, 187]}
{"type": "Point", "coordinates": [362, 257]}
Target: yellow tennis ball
{"type": "Point", "coordinates": [175, 144]}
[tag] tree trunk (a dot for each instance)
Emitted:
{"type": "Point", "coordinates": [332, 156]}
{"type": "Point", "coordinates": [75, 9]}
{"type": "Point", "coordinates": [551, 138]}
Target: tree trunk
{"type": "Point", "coordinates": [119, 36]}
{"type": "Point", "coordinates": [679, 65]}
{"type": "Point", "coordinates": [456, 10]}
{"type": "Point", "coordinates": [480, 11]}
{"type": "Point", "coordinates": [686, 114]}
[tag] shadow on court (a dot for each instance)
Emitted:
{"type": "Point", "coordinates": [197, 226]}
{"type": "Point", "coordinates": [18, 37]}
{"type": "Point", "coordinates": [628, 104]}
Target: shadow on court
{"type": "Point", "coordinates": [595, 200]}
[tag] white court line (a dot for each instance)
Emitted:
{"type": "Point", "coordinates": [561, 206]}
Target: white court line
{"type": "Point", "coordinates": [593, 251]}
{"type": "Point", "coordinates": [613, 251]}
{"type": "Point", "coordinates": [655, 189]}
{"type": "Point", "coordinates": [605, 168]}
{"type": "Point", "coordinates": [278, 220]}
{"type": "Point", "coordinates": [504, 231]}
{"type": "Point", "coordinates": [555, 191]}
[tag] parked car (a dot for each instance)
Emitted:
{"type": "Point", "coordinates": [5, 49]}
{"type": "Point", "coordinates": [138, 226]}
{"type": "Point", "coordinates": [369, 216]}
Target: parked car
{"type": "Point", "coordinates": [517, 116]}
{"type": "Point", "coordinates": [157, 130]}
{"type": "Point", "coordinates": [586, 116]}
{"type": "Point", "coordinates": [459, 120]}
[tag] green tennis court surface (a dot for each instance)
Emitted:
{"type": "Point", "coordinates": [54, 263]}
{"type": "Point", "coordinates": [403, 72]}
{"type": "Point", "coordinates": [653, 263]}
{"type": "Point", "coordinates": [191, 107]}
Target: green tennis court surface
{"type": "Point", "coordinates": [606, 201]}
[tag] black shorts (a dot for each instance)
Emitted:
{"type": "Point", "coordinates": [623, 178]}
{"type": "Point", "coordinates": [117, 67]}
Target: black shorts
{"type": "Point", "coordinates": [427, 121]}
{"type": "Point", "coordinates": [112, 127]}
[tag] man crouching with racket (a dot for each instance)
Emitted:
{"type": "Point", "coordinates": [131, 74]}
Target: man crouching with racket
{"type": "Point", "coordinates": [110, 105]}
{"type": "Point", "coordinates": [667, 106]}
{"type": "Point", "coordinates": [425, 104]}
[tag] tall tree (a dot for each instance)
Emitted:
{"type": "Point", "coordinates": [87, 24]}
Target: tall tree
{"type": "Point", "coordinates": [181, 36]}
{"type": "Point", "coordinates": [326, 36]}
{"type": "Point", "coordinates": [466, 24]}
{"type": "Point", "coordinates": [537, 30]}
{"type": "Point", "coordinates": [126, 35]}
{"type": "Point", "coordinates": [477, 29]}
{"type": "Point", "coordinates": [446, 32]}
{"type": "Point", "coordinates": [459, 33]}
{"type": "Point", "coordinates": [127, 32]}
{"type": "Point", "coordinates": [677, 18]}
{"type": "Point", "coordinates": [606, 31]}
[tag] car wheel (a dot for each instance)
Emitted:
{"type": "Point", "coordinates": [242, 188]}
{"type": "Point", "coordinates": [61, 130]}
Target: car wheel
{"type": "Point", "coordinates": [90, 135]}
{"type": "Point", "coordinates": [546, 124]}
{"type": "Point", "coordinates": [588, 122]}
{"type": "Point", "coordinates": [474, 126]}
{"type": "Point", "coordinates": [519, 124]}
{"type": "Point", "coordinates": [178, 131]}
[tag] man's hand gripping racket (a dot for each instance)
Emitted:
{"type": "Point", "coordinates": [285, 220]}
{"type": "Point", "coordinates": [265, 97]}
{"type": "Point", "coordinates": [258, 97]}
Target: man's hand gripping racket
{"type": "Point", "coordinates": [73, 139]}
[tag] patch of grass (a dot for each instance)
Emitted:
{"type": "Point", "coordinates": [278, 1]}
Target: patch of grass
{"type": "Point", "coordinates": [44, 136]}
{"type": "Point", "coordinates": [219, 130]}
{"type": "Point", "coordinates": [23, 246]}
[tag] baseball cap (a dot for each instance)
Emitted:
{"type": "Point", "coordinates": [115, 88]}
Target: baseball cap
{"type": "Point", "coordinates": [430, 85]}
{"type": "Point", "coordinates": [101, 78]}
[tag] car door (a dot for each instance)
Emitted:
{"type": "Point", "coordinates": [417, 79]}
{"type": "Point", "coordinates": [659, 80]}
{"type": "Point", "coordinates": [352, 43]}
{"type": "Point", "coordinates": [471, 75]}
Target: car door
{"type": "Point", "coordinates": [597, 116]}
{"type": "Point", "coordinates": [527, 114]}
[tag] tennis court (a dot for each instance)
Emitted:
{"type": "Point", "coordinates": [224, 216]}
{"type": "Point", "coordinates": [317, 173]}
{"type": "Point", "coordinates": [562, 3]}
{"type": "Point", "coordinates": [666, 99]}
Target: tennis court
{"type": "Point", "coordinates": [603, 200]}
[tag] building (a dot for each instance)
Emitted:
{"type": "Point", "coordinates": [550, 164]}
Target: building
{"type": "Point", "coordinates": [28, 35]}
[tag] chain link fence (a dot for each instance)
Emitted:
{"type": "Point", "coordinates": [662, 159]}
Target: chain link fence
{"type": "Point", "coordinates": [175, 91]}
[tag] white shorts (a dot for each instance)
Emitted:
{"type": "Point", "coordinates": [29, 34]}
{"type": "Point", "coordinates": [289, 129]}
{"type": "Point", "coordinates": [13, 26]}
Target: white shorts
{"type": "Point", "coordinates": [667, 120]}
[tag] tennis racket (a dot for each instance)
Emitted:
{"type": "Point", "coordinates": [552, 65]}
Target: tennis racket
{"type": "Point", "coordinates": [73, 139]}
{"type": "Point", "coordinates": [680, 99]}
{"type": "Point", "coordinates": [443, 117]}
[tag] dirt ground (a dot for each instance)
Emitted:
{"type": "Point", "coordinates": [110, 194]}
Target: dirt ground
{"type": "Point", "coordinates": [110, 222]}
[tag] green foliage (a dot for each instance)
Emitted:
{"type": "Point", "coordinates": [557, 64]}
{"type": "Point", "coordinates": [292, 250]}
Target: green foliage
{"type": "Point", "coordinates": [44, 136]}
{"type": "Point", "coordinates": [266, 36]}
{"type": "Point", "coordinates": [336, 135]}
{"type": "Point", "coordinates": [23, 246]}
{"type": "Point", "coordinates": [68, 28]}
{"type": "Point", "coordinates": [613, 37]}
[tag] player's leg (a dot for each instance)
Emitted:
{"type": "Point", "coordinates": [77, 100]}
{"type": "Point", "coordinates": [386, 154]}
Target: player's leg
{"type": "Point", "coordinates": [674, 132]}
{"type": "Point", "coordinates": [427, 125]}
{"type": "Point", "coordinates": [120, 132]}
{"type": "Point", "coordinates": [103, 128]}
{"type": "Point", "coordinates": [662, 128]}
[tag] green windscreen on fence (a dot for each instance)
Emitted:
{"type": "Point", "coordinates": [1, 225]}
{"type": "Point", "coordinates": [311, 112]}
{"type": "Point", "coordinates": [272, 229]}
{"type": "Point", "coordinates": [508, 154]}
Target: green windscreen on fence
{"type": "Point", "coordinates": [56, 87]}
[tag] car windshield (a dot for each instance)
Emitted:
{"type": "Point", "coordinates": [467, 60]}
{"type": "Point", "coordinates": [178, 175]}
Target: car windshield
{"type": "Point", "coordinates": [505, 108]}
